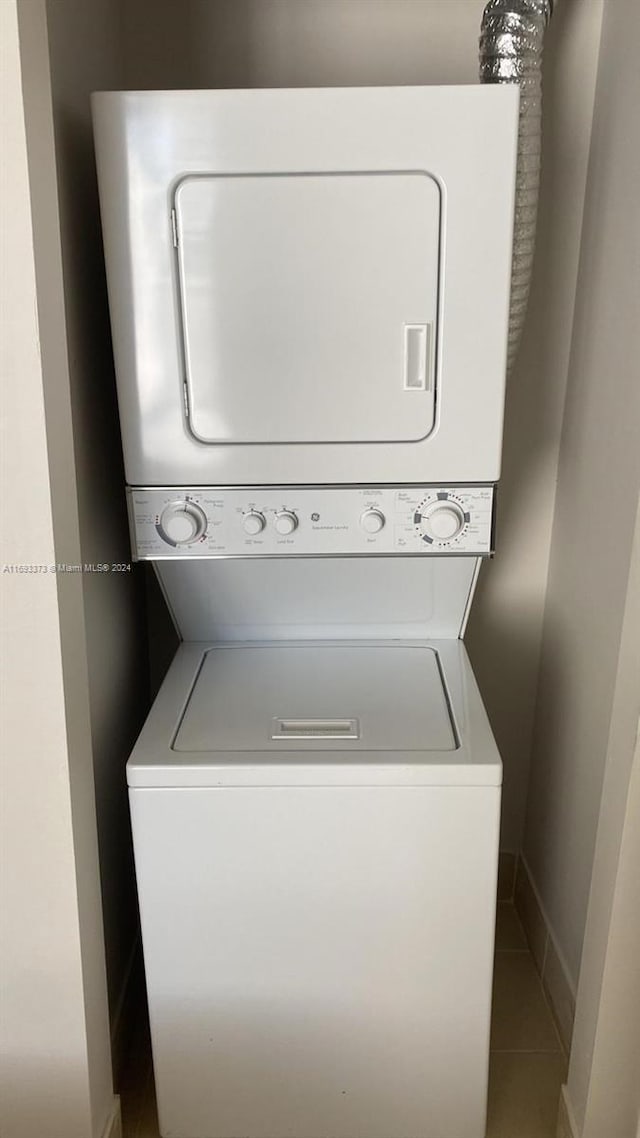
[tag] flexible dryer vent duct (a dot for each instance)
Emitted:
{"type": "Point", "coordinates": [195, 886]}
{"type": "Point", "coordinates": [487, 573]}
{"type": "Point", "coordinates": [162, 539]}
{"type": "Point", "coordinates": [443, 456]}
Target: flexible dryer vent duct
{"type": "Point", "coordinates": [511, 40]}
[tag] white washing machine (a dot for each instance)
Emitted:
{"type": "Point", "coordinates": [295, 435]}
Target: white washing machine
{"type": "Point", "coordinates": [316, 827]}
{"type": "Point", "coordinates": [316, 834]}
{"type": "Point", "coordinates": [309, 302]}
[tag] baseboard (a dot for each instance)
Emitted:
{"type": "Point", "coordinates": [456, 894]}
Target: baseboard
{"type": "Point", "coordinates": [113, 1128]}
{"type": "Point", "coordinates": [566, 1122]}
{"type": "Point", "coordinates": [547, 957]}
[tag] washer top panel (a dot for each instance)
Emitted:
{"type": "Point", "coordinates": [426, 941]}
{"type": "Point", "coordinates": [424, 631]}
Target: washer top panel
{"type": "Point", "coordinates": [316, 699]}
{"type": "Point", "coordinates": [323, 713]}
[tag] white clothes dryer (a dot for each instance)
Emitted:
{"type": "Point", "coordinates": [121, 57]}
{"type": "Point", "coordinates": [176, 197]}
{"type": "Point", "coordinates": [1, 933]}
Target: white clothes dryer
{"type": "Point", "coordinates": [309, 286]}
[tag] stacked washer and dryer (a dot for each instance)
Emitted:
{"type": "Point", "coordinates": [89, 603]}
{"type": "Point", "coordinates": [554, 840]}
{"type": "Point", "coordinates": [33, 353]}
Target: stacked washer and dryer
{"type": "Point", "coordinates": [309, 299]}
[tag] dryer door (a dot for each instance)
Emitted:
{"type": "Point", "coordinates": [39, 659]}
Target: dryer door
{"type": "Point", "coordinates": [309, 305]}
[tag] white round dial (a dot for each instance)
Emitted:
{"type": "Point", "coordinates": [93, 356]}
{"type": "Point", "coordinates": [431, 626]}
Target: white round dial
{"type": "Point", "coordinates": [443, 521]}
{"type": "Point", "coordinates": [182, 523]}
{"type": "Point", "coordinates": [286, 522]}
{"type": "Point", "coordinates": [372, 521]}
{"type": "Point", "coordinates": [254, 522]}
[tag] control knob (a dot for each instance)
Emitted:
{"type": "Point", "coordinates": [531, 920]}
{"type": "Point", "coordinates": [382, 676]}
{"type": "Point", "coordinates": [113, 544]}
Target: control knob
{"type": "Point", "coordinates": [443, 521]}
{"type": "Point", "coordinates": [253, 522]}
{"type": "Point", "coordinates": [182, 523]}
{"type": "Point", "coordinates": [372, 521]}
{"type": "Point", "coordinates": [286, 522]}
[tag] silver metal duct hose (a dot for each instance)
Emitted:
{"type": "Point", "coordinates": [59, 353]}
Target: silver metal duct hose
{"type": "Point", "coordinates": [511, 40]}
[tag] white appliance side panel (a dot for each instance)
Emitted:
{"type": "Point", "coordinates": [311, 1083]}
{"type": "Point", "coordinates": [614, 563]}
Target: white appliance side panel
{"type": "Point", "coordinates": [324, 599]}
{"type": "Point", "coordinates": [296, 294]}
{"type": "Point", "coordinates": [465, 137]}
{"type": "Point", "coordinates": [319, 961]}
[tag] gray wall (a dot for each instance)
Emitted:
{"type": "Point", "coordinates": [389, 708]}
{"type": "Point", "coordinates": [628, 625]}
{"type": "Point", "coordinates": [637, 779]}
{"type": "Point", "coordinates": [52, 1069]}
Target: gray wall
{"type": "Point", "coordinates": [598, 483]}
{"type": "Point", "coordinates": [56, 1066]}
{"type": "Point", "coordinates": [603, 1088]}
{"type": "Point", "coordinates": [321, 42]}
{"type": "Point", "coordinates": [86, 54]}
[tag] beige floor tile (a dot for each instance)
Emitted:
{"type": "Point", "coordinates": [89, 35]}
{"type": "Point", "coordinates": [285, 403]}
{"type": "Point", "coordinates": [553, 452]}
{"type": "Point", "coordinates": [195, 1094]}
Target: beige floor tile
{"type": "Point", "coordinates": [521, 1020]}
{"type": "Point", "coordinates": [524, 1092]}
{"type": "Point", "coordinates": [509, 932]}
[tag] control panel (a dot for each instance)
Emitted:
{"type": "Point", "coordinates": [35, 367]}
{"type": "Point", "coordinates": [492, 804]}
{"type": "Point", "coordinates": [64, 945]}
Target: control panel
{"type": "Point", "coordinates": [311, 521]}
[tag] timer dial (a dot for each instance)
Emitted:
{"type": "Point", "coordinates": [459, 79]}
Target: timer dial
{"type": "Point", "coordinates": [182, 523]}
{"type": "Point", "coordinates": [441, 521]}
{"type": "Point", "coordinates": [445, 522]}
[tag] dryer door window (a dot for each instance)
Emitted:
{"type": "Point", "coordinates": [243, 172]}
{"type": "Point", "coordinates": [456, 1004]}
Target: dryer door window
{"type": "Point", "coordinates": [309, 306]}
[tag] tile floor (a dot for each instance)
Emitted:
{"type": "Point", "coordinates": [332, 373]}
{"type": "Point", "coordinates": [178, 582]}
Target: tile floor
{"type": "Point", "coordinates": [527, 1062]}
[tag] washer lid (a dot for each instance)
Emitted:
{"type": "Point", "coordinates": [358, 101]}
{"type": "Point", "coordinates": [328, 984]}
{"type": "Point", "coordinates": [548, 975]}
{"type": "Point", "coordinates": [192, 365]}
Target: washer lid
{"type": "Point", "coordinates": [207, 697]}
{"type": "Point", "coordinates": [299, 697]}
{"type": "Point", "coordinates": [309, 305]}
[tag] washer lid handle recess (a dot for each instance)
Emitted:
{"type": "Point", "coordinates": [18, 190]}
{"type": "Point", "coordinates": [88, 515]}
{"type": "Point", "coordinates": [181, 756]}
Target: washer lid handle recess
{"type": "Point", "coordinates": [315, 728]}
